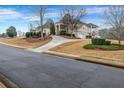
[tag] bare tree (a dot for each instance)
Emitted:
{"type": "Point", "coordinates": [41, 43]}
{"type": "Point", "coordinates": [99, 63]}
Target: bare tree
{"type": "Point", "coordinates": [42, 14]}
{"type": "Point", "coordinates": [71, 16]}
{"type": "Point", "coordinates": [31, 28]}
{"type": "Point", "coordinates": [40, 11]}
{"type": "Point", "coordinates": [114, 17]}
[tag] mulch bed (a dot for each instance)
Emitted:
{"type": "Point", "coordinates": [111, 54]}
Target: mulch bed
{"type": "Point", "coordinates": [68, 37]}
{"type": "Point", "coordinates": [33, 40]}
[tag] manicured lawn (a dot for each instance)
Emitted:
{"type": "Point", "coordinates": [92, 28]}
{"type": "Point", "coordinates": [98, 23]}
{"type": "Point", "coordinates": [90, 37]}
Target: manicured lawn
{"type": "Point", "coordinates": [76, 48]}
{"type": "Point", "coordinates": [105, 47]}
{"type": "Point", "coordinates": [25, 43]}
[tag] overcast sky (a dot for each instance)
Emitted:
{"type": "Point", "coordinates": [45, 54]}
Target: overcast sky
{"type": "Point", "coordinates": [21, 16]}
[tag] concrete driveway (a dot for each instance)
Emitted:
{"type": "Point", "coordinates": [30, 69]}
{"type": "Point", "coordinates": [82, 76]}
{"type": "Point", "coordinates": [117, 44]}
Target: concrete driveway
{"type": "Point", "coordinates": [28, 69]}
{"type": "Point", "coordinates": [57, 40]}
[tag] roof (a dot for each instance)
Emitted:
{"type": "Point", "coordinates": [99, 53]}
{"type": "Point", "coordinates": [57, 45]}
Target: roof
{"type": "Point", "coordinates": [92, 25]}
{"type": "Point", "coordinates": [59, 22]}
{"type": "Point", "coordinates": [46, 25]}
{"type": "Point", "coordinates": [82, 23]}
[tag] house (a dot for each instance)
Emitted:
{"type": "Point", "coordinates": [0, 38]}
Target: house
{"type": "Point", "coordinates": [84, 30]}
{"type": "Point", "coordinates": [20, 34]}
{"type": "Point", "coordinates": [46, 29]}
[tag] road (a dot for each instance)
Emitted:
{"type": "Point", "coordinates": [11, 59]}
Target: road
{"type": "Point", "coordinates": [28, 69]}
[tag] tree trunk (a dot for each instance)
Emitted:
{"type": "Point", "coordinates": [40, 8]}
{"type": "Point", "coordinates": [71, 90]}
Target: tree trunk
{"type": "Point", "coordinates": [72, 32]}
{"type": "Point", "coordinates": [41, 22]}
{"type": "Point", "coordinates": [119, 42]}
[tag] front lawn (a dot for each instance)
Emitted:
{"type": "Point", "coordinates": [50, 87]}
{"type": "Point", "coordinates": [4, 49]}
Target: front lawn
{"type": "Point", "coordinates": [76, 48]}
{"type": "Point", "coordinates": [25, 42]}
{"type": "Point", "coordinates": [104, 47]}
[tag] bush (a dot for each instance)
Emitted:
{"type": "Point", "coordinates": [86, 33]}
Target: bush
{"type": "Point", "coordinates": [11, 31]}
{"type": "Point", "coordinates": [34, 34]}
{"type": "Point", "coordinates": [70, 35]}
{"type": "Point", "coordinates": [88, 36]}
{"type": "Point", "coordinates": [100, 41]}
{"type": "Point", "coordinates": [107, 42]}
{"type": "Point", "coordinates": [62, 32]}
{"type": "Point", "coordinates": [39, 34]}
{"type": "Point", "coordinates": [28, 34]}
{"type": "Point", "coordinates": [105, 47]}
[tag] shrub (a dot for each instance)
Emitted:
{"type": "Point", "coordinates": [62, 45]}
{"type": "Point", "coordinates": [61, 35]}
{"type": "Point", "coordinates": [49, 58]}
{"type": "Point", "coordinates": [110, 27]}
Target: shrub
{"type": "Point", "coordinates": [105, 47]}
{"type": "Point", "coordinates": [88, 36]}
{"type": "Point", "coordinates": [70, 35]}
{"type": "Point", "coordinates": [11, 31]}
{"type": "Point", "coordinates": [100, 41]}
{"type": "Point", "coordinates": [107, 42]}
{"type": "Point", "coordinates": [28, 34]}
{"type": "Point", "coordinates": [33, 34]}
{"type": "Point", "coordinates": [39, 34]}
{"type": "Point", "coordinates": [62, 32]}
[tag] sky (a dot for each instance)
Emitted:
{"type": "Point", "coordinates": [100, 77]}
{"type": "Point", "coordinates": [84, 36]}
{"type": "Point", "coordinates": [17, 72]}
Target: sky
{"type": "Point", "coordinates": [21, 16]}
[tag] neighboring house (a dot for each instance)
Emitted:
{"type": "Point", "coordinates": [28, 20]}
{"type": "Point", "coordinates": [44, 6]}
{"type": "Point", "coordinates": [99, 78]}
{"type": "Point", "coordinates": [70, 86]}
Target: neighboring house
{"type": "Point", "coordinates": [46, 29]}
{"type": "Point", "coordinates": [20, 34]}
{"type": "Point", "coordinates": [84, 30]}
{"type": "Point", "coordinates": [3, 35]}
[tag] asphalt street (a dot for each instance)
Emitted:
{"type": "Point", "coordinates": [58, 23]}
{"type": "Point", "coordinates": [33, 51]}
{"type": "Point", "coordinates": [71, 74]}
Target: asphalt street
{"type": "Point", "coordinates": [29, 69]}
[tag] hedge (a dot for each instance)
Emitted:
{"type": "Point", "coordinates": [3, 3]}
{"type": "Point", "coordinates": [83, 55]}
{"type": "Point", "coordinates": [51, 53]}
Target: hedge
{"type": "Point", "coordinates": [63, 32]}
{"type": "Point", "coordinates": [100, 41]}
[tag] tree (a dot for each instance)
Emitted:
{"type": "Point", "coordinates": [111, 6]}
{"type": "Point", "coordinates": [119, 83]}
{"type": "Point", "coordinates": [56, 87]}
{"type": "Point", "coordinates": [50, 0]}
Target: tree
{"type": "Point", "coordinates": [52, 26]}
{"type": "Point", "coordinates": [11, 31]}
{"type": "Point", "coordinates": [41, 11]}
{"type": "Point", "coordinates": [52, 29]}
{"type": "Point", "coordinates": [114, 17]}
{"type": "Point", "coordinates": [42, 14]}
{"type": "Point", "coordinates": [71, 16]}
{"type": "Point", "coordinates": [28, 34]}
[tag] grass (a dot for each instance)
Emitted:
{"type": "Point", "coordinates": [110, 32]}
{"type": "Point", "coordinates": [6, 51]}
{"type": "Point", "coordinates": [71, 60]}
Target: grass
{"type": "Point", "coordinates": [24, 42]}
{"type": "Point", "coordinates": [76, 48]}
{"type": "Point", "coordinates": [105, 47]}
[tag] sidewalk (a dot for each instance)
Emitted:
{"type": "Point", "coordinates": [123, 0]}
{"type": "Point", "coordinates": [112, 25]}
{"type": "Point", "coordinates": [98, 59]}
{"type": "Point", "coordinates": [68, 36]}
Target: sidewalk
{"type": "Point", "coordinates": [57, 40]}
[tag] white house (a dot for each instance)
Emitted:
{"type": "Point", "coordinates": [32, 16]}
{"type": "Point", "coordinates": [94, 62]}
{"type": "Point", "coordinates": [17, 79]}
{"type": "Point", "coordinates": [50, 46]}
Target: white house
{"type": "Point", "coordinates": [46, 29]}
{"type": "Point", "coordinates": [20, 34]}
{"type": "Point", "coordinates": [84, 30]}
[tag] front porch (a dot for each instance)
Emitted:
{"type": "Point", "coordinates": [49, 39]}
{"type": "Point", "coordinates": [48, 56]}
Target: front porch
{"type": "Point", "coordinates": [83, 31]}
{"type": "Point", "coordinates": [60, 27]}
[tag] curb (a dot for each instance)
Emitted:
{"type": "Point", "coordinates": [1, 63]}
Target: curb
{"type": "Point", "coordinates": [8, 83]}
{"type": "Point", "coordinates": [97, 60]}
{"type": "Point", "coordinates": [12, 45]}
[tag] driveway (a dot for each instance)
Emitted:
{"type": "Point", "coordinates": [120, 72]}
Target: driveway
{"type": "Point", "coordinates": [57, 40]}
{"type": "Point", "coordinates": [29, 69]}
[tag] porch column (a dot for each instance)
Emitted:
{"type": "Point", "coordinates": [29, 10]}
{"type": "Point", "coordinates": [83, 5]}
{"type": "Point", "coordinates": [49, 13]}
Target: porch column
{"type": "Point", "coordinates": [91, 28]}
{"type": "Point", "coordinates": [59, 28]}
